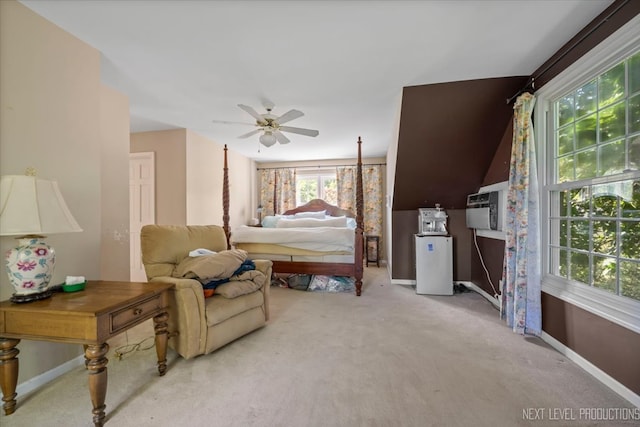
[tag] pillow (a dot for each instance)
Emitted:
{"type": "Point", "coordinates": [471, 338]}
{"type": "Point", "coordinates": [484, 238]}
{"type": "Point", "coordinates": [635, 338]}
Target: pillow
{"type": "Point", "coordinates": [351, 223]}
{"type": "Point", "coordinates": [312, 222]}
{"type": "Point", "coordinates": [211, 267]}
{"type": "Point", "coordinates": [317, 215]}
{"type": "Point", "coordinates": [270, 221]}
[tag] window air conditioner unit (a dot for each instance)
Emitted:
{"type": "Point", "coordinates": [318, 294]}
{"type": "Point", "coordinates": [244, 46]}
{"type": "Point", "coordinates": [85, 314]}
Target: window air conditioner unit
{"type": "Point", "coordinates": [484, 210]}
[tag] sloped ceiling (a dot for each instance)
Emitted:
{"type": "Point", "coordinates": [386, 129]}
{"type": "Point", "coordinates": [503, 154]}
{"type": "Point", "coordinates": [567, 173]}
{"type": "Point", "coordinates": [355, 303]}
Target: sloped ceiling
{"type": "Point", "coordinates": [448, 136]}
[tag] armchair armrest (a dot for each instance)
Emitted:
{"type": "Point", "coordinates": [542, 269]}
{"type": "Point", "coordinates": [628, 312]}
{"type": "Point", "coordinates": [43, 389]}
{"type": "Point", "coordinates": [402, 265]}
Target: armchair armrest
{"type": "Point", "coordinates": [265, 266]}
{"type": "Point", "coordinates": [186, 316]}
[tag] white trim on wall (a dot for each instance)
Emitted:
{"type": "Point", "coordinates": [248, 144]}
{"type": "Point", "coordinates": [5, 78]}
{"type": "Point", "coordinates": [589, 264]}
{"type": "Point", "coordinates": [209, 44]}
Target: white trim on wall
{"type": "Point", "coordinates": [38, 381]}
{"type": "Point", "coordinates": [599, 374]}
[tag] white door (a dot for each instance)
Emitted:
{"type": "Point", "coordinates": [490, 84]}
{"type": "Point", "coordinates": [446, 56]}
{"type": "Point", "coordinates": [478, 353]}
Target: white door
{"type": "Point", "coordinates": [142, 207]}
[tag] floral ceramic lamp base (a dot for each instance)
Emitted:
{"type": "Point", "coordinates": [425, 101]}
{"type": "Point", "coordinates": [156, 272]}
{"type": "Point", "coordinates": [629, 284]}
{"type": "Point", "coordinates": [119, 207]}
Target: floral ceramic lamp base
{"type": "Point", "coordinates": [30, 268]}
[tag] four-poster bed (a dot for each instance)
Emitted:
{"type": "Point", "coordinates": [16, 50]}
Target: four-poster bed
{"type": "Point", "coordinates": [341, 247]}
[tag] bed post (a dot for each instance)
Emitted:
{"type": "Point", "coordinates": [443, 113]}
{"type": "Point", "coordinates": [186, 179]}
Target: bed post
{"type": "Point", "coordinates": [225, 199]}
{"type": "Point", "coordinates": [275, 192]}
{"type": "Point", "coordinates": [359, 223]}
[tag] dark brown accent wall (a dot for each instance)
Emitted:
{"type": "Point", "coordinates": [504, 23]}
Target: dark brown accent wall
{"type": "Point", "coordinates": [405, 225]}
{"type": "Point", "coordinates": [492, 251]}
{"type": "Point", "coordinates": [499, 169]}
{"type": "Point", "coordinates": [448, 135]}
{"type": "Point", "coordinates": [611, 347]}
{"type": "Point", "coordinates": [403, 261]}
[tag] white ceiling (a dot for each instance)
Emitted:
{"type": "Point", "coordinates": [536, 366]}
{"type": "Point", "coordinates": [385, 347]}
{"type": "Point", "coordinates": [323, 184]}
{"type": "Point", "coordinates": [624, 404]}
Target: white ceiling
{"type": "Point", "coordinates": [343, 63]}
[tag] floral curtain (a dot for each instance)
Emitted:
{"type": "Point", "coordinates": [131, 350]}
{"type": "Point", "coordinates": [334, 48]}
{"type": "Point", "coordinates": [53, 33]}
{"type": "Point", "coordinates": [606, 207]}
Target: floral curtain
{"type": "Point", "coordinates": [372, 194]}
{"type": "Point", "coordinates": [282, 183]}
{"type": "Point", "coordinates": [521, 273]}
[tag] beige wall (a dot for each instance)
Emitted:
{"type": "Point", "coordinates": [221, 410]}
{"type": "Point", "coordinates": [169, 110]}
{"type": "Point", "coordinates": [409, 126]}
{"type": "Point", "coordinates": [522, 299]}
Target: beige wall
{"type": "Point", "coordinates": [205, 160]}
{"type": "Point", "coordinates": [189, 175]}
{"type": "Point", "coordinates": [204, 180]}
{"type": "Point", "coordinates": [51, 116]}
{"type": "Point", "coordinates": [114, 163]}
{"type": "Point", "coordinates": [169, 147]}
{"type": "Point", "coordinates": [242, 198]}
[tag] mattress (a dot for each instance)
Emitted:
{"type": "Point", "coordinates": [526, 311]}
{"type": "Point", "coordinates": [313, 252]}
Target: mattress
{"type": "Point", "coordinates": [316, 239]}
{"type": "Point", "coordinates": [276, 252]}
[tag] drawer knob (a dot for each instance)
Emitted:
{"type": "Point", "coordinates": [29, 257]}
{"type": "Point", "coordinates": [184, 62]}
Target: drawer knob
{"type": "Point", "coordinates": [137, 311]}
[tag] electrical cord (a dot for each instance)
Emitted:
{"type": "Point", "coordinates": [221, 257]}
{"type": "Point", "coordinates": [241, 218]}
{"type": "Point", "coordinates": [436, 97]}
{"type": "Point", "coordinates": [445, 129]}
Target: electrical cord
{"type": "Point", "coordinates": [145, 344]}
{"type": "Point", "coordinates": [475, 240]}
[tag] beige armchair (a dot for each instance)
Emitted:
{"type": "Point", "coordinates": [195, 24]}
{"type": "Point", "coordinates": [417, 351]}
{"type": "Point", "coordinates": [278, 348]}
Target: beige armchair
{"type": "Point", "coordinates": [200, 325]}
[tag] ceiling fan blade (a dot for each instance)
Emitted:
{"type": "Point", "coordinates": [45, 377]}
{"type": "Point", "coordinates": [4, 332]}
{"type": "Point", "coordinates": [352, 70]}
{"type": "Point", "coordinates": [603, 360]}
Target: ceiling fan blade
{"type": "Point", "coordinates": [281, 138]}
{"type": "Point", "coordinates": [288, 116]}
{"type": "Point", "coordinates": [251, 111]}
{"type": "Point", "coordinates": [227, 122]}
{"type": "Point", "coordinates": [247, 135]}
{"type": "Point", "coordinates": [307, 132]}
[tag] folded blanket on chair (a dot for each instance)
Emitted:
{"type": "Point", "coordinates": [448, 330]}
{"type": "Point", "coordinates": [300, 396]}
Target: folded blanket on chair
{"type": "Point", "coordinates": [211, 267]}
{"type": "Point", "coordinates": [247, 265]}
{"type": "Point", "coordinates": [242, 284]}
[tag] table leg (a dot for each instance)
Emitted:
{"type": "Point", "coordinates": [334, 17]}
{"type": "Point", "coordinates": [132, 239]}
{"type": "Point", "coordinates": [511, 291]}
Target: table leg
{"type": "Point", "coordinates": [162, 336]}
{"type": "Point", "coordinates": [9, 373]}
{"type": "Point", "coordinates": [96, 363]}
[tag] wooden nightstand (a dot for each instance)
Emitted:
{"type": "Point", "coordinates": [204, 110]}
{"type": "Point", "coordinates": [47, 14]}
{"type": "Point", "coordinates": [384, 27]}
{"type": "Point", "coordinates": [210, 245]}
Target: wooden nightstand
{"type": "Point", "coordinates": [372, 250]}
{"type": "Point", "coordinates": [89, 317]}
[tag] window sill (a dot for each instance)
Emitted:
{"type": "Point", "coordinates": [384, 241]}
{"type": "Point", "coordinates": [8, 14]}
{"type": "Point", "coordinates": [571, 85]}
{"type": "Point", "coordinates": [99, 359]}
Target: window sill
{"type": "Point", "coordinates": [620, 310]}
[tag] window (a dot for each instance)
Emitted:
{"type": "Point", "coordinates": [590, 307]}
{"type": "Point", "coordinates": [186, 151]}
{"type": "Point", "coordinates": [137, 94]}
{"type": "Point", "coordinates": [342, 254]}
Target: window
{"type": "Point", "coordinates": [316, 185]}
{"type": "Point", "coordinates": [595, 227]}
{"type": "Point", "coordinates": [587, 122]}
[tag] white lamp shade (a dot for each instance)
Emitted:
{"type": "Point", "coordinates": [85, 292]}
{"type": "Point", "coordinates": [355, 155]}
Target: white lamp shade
{"type": "Point", "coordinates": [267, 139]}
{"type": "Point", "coordinates": [29, 205]}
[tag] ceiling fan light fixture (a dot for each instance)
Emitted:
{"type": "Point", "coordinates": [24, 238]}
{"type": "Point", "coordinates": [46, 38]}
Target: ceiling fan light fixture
{"type": "Point", "coordinates": [267, 139]}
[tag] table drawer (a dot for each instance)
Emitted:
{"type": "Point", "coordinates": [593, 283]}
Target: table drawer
{"type": "Point", "coordinates": [136, 312]}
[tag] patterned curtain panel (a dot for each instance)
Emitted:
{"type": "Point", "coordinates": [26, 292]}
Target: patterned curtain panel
{"type": "Point", "coordinates": [285, 189]}
{"type": "Point", "coordinates": [346, 187]}
{"type": "Point", "coordinates": [267, 185]}
{"type": "Point", "coordinates": [372, 192]}
{"type": "Point", "coordinates": [521, 274]}
{"type": "Point", "coordinates": [282, 184]}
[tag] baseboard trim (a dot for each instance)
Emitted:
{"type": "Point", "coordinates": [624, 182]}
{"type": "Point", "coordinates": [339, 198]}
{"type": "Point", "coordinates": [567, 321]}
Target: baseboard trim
{"type": "Point", "coordinates": [592, 369]}
{"type": "Point", "coordinates": [38, 381]}
{"type": "Point", "coordinates": [403, 282]}
{"type": "Point", "coordinates": [599, 374]}
{"type": "Point", "coordinates": [472, 286]}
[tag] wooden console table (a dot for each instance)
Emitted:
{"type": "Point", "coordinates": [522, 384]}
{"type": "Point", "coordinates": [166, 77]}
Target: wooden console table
{"type": "Point", "coordinates": [89, 317]}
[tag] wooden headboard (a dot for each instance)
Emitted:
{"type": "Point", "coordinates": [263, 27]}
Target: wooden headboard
{"type": "Point", "coordinates": [316, 205]}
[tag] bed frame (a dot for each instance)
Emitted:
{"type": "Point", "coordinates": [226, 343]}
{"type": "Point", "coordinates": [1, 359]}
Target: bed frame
{"type": "Point", "coordinates": [354, 269]}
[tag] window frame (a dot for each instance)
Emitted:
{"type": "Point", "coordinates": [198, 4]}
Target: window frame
{"type": "Point", "coordinates": [620, 310]}
{"type": "Point", "coordinates": [319, 175]}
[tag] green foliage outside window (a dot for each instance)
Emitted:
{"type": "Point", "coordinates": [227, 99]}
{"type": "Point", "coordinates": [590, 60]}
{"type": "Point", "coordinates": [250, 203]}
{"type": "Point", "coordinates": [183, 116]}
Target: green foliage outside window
{"type": "Point", "coordinates": [306, 189]}
{"type": "Point", "coordinates": [596, 234]}
{"type": "Point", "coordinates": [311, 187]}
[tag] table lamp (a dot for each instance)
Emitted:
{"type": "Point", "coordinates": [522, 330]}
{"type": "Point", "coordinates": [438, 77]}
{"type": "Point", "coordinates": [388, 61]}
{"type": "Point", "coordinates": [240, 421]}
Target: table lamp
{"type": "Point", "coordinates": [31, 208]}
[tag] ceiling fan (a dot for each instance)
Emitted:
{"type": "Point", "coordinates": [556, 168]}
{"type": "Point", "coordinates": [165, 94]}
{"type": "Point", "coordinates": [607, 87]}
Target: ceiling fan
{"type": "Point", "coordinates": [271, 125]}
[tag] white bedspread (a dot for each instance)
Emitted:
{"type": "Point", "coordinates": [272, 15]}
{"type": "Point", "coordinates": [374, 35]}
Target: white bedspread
{"type": "Point", "coordinates": [312, 238]}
